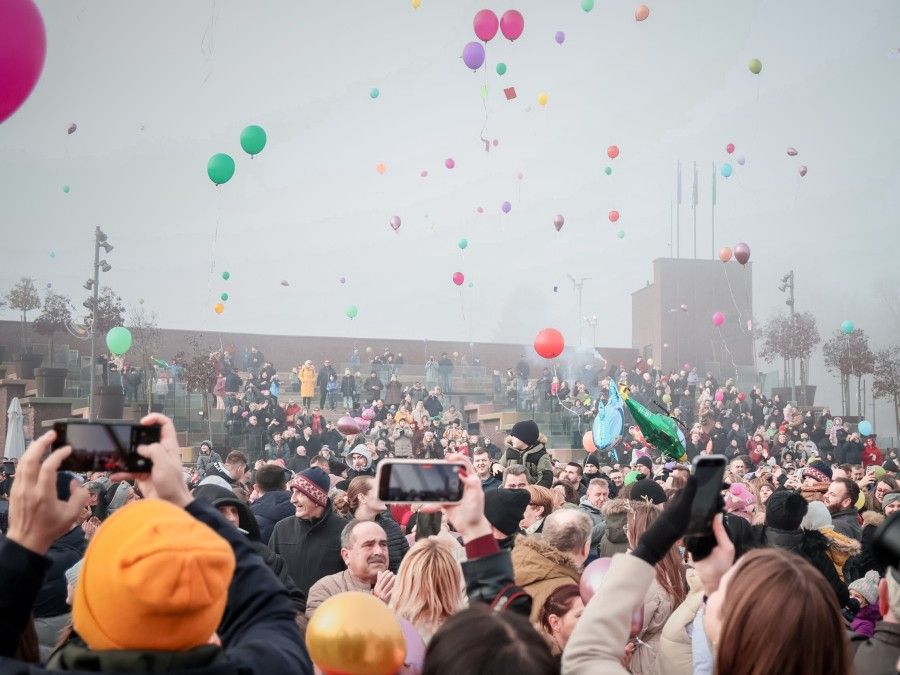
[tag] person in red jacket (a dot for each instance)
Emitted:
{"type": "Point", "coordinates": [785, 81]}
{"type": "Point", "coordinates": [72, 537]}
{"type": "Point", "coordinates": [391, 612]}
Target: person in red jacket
{"type": "Point", "coordinates": [871, 455]}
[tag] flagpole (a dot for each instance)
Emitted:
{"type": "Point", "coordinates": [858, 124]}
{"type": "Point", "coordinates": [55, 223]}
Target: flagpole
{"type": "Point", "coordinates": [713, 220]}
{"type": "Point", "coordinates": [694, 206]}
{"type": "Point", "coordinates": [678, 211]}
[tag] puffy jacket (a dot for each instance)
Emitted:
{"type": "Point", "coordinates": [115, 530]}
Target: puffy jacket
{"type": "Point", "coordinates": [614, 539]}
{"type": "Point", "coordinates": [598, 521]}
{"type": "Point", "coordinates": [269, 509]}
{"type": "Point", "coordinates": [535, 459]}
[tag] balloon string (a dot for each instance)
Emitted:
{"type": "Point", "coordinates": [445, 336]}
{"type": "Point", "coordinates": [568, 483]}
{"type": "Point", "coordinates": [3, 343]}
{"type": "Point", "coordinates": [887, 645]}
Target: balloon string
{"type": "Point", "coordinates": [730, 355]}
{"type": "Point", "coordinates": [733, 300]}
{"type": "Point", "coordinates": [462, 306]}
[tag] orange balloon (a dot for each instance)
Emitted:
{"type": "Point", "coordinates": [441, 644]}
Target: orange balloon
{"type": "Point", "coordinates": [218, 308]}
{"type": "Point", "coordinates": [725, 254]}
{"type": "Point", "coordinates": [380, 168]}
{"type": "Point", "coordinates": [641, 13]}
{"type": "Point", "coordinates": [587, 441]}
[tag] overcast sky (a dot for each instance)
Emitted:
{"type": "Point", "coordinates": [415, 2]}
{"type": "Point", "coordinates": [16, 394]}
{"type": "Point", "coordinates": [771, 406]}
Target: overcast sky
{"type": "Point", "coordinates": [157, 88]}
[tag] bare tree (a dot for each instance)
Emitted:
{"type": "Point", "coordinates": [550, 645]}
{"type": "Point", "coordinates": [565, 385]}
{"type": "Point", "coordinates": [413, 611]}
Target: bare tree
{"type": "Point", "coordinates": [849, 356]}
{"type": "Point", "coordinates": [887, 379]}
{"type": "Point", "coordinates": [54, 316]}
{"type": "Point", "coordinates": [201, 367]}
{"type": "Point", "coordinates": [24, 298]}
{"type": "Point", "coordinates": [791, 336]}
{"type": "Point", "coordinates": [146, 335]}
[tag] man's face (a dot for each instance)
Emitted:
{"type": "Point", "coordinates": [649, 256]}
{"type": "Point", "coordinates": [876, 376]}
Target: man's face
{"type": "Point", "coordinates": [231, 515]}
{"type": "Point", "coordinates": [856, 473]}
{"type": "Point", "coordinates": [304, 507]}
{"type": "Point", "coordinates": [590, 469]}
{"type": "Point", "coordinates": [737, 467]}
{"type": "Point", "coordinates": [368, 552]}
{"type": "Point", "coordinates": [512, 482]}
{"type": "Point", "coordinates": [836, 499]}
{"type": "Point", "coordinates": [617, 478]}
{"type": "Point", "coordinates": [597, 495]}
{"type": "Point", "coordinates": [482, 463]}
{"type": "Point", "coordinates": [570, 475]}
{"type": "Point", "coordinates": [358, 461]}
{"type": "Point", "coordinates": [881, 489]}
{"type": "Point", "coordinates": [640, 468]}
{"type": "Point", "coordinates": [890, 508]}
{"type": "Point", "coordinates": [515, 443]}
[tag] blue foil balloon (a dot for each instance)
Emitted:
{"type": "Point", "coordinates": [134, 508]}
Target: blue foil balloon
{"type": "Point", "coordinates": [608, 424]}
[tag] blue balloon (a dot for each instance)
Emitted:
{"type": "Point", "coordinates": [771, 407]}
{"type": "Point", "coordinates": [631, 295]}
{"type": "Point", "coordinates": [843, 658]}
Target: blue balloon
{"type": "Point", "coordinates": [607, 429]}
{"type": "Point", "coordinates": [865, 428]}
{"type": "Point", "coordinates": [726, 170]}
{"type": "Point", "coordinates": [847, 327]}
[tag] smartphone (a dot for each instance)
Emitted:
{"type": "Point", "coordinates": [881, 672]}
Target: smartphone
{"type": "Point", "coordinates": [98, 446]}
{"type": "Point", "coordinates": [708, 471]}
{"type": "Point", "coordinates": [419, 481]}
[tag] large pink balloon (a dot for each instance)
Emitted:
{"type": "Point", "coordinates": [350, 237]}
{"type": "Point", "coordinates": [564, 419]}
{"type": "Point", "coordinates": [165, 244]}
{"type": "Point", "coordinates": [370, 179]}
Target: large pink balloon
{"type": "Point", "coordinates": [742, 253]}
{"type": "Point", "coordinates": [368, 414]}
{"type": "Point", "coordinates": [512, 23]}
{"type": "Point", "coordinates": [486, 24]}
{"type": "Point", "coordinates": [458, 278]}
{"type": "Point", "coordinates": [415, 648]}
{"type": "Point", "coordinates": [348, 426]}
{"type": "Point", "coordinates": [23, 46]}
{"type": "Point", "coordinates": [592, 577]}
{"type": "Point", "coordinates": [718, 319]}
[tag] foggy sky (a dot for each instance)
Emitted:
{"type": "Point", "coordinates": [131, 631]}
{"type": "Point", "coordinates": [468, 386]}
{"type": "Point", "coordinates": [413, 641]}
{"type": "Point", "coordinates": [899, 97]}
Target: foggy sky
{"type": "Point", "coordinates": [157, 88]}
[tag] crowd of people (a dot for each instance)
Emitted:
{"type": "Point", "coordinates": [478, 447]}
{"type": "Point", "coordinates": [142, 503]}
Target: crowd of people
{"type": "Point", "coordinates": [544, 566]}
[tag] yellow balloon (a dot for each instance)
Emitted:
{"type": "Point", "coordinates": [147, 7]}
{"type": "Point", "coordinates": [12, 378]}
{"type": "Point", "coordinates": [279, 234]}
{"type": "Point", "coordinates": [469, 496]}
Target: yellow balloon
{"type": "Point", "coordinates": [218, 308]}
{"type": "Point", "coordinates": [355, 634]}
{"type": "Point", "coordinates": [416, 3]}
{"type": "Point", "coordinates": [543, 98]}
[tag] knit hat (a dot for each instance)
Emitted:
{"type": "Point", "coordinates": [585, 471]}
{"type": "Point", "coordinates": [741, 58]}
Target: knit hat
{"type": "Point", "coordinates": [818, 470]}
{"type": "Point", "coordinates": [504, 508]}
{"type": "Point", "coordinates": [154, 578]}
{"type": "Point", "coordinates": [889, 498]}
{"type": "Point", "coordinates": [878, 472]}
{"type": "Point", "coordinates": [591, 459]}
{"type": "Point", "coordinates": [643, 460]}
{"type": "Point", "coordinates": [649, 491]}
{"type": "Point", "coordinates": [314, 483]}
{"type": "Point", "coordinates": [215, 480]}
{"type": "Point", "coordinates": [208, 444]}
{"type": "Point", "coordinates": [786, 511]}
{"type": "Point", "coordinates": [631, 477]}
{"type": "Point", "coordinates": [526, 431]}
{"type": "Point", "coordinates": [867, 586]}
{"type": "Point", "coordinates": [817, 516]}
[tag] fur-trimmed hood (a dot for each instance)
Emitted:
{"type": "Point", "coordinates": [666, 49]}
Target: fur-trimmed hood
{"type": "Point", "coordinates": [616, 507]}
{"type": "Point", "coordinates": [535, 560]}
{"type": "Point", "coordinates": [872, 518]}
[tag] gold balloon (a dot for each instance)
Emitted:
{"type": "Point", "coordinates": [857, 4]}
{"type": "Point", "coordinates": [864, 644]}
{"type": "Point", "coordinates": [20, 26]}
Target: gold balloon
{"type": "Point", "coordinates": [543, 98]}
{"type": "Point", "coordinates": [355, 634]}
{"type": "Point", "coordinates": [218, 308]}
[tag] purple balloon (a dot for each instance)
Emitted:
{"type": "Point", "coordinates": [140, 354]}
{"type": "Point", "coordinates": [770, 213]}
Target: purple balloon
{"type": "Point", "coordinates": [415, 649]}
{"type": "Point", "coordinates": [560, 37]}
{"type": "Point", "coordinates": [506, 207]}
{"type": "Point", "coordinates": [473, 55]}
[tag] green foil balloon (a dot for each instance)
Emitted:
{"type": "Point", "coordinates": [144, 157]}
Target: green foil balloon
{"type": "Point", "coordinates": [351, 312]}
{"type": "Point", "coordinates": [224, 297]}
{"type": "Point", "coordinates": [220, 168]}
{"type": "Point", "coordinates": [253, 139]}
{"type": "Point", "coordinates": [501, 69]}
{"type": "Point", "coordinates": [118, 340]}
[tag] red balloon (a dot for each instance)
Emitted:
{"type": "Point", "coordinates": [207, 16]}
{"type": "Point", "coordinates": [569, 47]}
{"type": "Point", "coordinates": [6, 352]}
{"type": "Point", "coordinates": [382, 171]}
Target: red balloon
{"type": "Point", "coordinates": [612, 151]}
{"type": "Point", "coordinates": [512, 23]}
{"type": "Point", "coordinates": [718, 319]}
{"type": "Point", "coordinates": [23, 47]}
{"type": "Point", "coordinates": [742, 253]}
{"type": "Point", "coordinates": [348, 426]}
{"type": "Point", "coordinates": [485, 25]}
{"type": "Point", "coordinates": [587, 442]}
{"type": "Point", "coordinates": [458, 278]}
{"type": "Point", "coordinates": [729, 148]}
{"type": "Point", "coordinates": [613, 216]}
{"type": "Point", "coordinates": [549, 343]}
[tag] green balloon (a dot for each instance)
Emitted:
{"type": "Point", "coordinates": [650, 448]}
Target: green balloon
{"type": "Point", "coordinates": [587, 5]}
{"type": "Point", "coordinates": [253, 139]}
{"type": "Point", "coordinates": [484, 91]}
{"type": "Point", "coordinates": [66, 189]}
{"type": "Point", "coordinates": [463, 243]}
{"type": "Point", "coordinates": [118, 340]}
{"type": "Point", "coordinates": [620, 234]}
{"type": "Point", "coordinates": [220, 168]}
{"type": "Point", "coordinates": [608, 171]}
{"type": "Point", "coordinates": [224, 297]}
{"type": "Point", "coordinates": [755, 66]}
{"type": "Point", "coordinates": [374, 93]}
{"type": "Point", "coordinates": [226, 275]}
{"type": "Point", "coordinates": [351, 312]}
{"type": "Point", "coordinates": [501, 69]}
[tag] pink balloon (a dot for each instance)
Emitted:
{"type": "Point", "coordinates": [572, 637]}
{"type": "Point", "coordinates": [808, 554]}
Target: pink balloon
{"type": "Point", "coordinates": [729, 148]}
{"type": "Point", "coordinates": [23, 47]}
{"type": "Point", "coordinates": [395, 222]}
{"type": "Point", "coordinates": [424, 173]}
{"type": "Point", "coordinates": [415, 646]}
{"type": "Point", "coordinates": [449, 163]}
{"type": "Point", "coordinates": [480, 209]}
{"type": "Point", "coordinates": [720, 395]}
{"type": "Point", "coordinates": [742, 253]}
{"type": "Point", "coordinates": [718, 319]}
{"type": "Point", "coordinates": [512, 23]}
{"type": "Point", "coordinates": [486, 25]}
{"type": "Point", "coordinates": [368, 414]}
{"type": "Point", "coordinates": [802, 170]}
{"type": "Point", "coordinates": [348, 426]}
{"type": "Point", "coordinates": [458, 278]}
{"type": "Point", "coordinates": [792, 152]}
{"type": "Point", "coordinates": [591, 578]}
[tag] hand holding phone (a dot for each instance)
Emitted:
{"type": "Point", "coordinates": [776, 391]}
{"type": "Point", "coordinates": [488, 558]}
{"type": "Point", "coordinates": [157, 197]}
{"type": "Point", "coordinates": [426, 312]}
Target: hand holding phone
{"type": "Point", "coordinates": [101, 446]}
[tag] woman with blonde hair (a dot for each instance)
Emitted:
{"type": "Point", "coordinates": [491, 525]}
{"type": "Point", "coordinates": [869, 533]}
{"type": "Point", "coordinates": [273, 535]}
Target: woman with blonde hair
{"type": "Point", "coordinates": [429, 587]}
{"type": "Point", "coordinates": [666, 592]}
{"type": "Point", "coordinates": [540, 505]}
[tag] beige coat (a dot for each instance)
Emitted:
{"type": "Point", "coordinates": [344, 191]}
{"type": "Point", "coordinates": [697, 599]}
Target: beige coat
{"type": "Point", "coordinates": [540, 569]}
{"type": "Point", "coordinates": [598, 641]}
{"type": "Point", "coordinates": [658, 608]}
{"type": "Point", "coordinates": [333, 584]}
{"type": "Point", "coordinates": [675, 656]}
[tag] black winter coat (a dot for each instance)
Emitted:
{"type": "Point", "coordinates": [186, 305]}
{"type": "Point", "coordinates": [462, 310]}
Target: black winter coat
{"type": "Point", "coordinates": [65, 552]}
{"type": "Point", "coordinates": [269, 509]}
{"type": "Point", "coordinates": [397, 542]}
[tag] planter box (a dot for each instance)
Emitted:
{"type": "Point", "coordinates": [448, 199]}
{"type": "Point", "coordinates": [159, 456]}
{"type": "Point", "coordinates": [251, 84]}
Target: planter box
{"type": "Point", "coordinates": [803, 398]}
{"type": "Point", "coordinates": [51, 382]}
{"type": "Point", "coordinates": [26, 363]}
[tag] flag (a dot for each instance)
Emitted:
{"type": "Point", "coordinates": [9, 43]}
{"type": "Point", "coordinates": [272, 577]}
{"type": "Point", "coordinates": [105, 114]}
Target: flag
{"type": "Point", "coordinates": [660, 431]}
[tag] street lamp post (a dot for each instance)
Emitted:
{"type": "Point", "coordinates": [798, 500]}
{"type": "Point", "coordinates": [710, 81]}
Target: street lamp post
{"type": "Point", "coordinates": [592, 321]}
{"type": "Point", "coordinates": [787, 285]}
{"type": "Point", "coordinates": [100, 241]}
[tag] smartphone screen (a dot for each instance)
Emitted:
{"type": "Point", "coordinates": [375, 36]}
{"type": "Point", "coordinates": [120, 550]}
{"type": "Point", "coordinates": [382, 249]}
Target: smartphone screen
{"type": "Point", "coordinates": [708, 470]}
{"type": "Point", "coordinates": [104, 447]}
{"type": "Point", "coordinates": [412, 481]}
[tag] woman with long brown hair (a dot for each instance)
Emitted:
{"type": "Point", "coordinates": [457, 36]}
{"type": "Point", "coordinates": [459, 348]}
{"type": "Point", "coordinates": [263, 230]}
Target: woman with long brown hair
{"type": "Point", "coordinates": [666, 592]}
